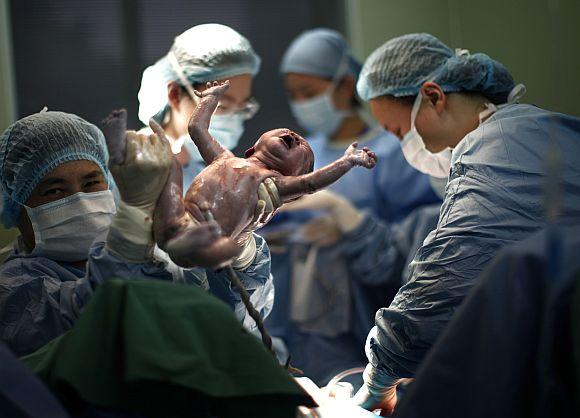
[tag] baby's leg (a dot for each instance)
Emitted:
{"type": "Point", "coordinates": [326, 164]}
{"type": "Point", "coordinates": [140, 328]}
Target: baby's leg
{"type": "Point", "coordinates": [114, 127]}
{"type": "Point", "coordinates": [170, 217]}
{"type": "Point", "coordinates": [183, 233]}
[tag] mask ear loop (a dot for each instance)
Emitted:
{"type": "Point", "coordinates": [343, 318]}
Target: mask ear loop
{"type": "Point", "coordinates": [341, 71]}
{"type": "Point", "coordinates": [179, 71]}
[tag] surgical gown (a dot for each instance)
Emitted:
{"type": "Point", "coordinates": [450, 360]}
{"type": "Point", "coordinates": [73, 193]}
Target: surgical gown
{"type": "Point", "coordinates": [348, 286]}
{"type": "Point", "coordinates": [41, 298]}
{"type": "Point", "coordinates": [511, 340]}
{"type": "Point", "coordinates": [495, 196]}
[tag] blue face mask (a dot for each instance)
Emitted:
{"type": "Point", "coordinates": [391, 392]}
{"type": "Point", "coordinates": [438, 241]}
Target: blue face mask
{"type": "Point", "coordinates": [226, 129]}
{"type": "Point", "coordinates": [318, 114]}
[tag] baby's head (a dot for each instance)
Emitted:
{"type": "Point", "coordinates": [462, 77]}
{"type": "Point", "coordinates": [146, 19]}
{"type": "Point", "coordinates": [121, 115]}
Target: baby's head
{"type": "Point", "coordinates": [284, 151]}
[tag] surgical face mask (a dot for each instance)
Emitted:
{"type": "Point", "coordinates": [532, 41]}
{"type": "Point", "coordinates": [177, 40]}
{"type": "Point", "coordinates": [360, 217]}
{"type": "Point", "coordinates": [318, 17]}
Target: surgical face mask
{"type": "Point", "coordinates": [318, 114]}
{"type": "Point", "coordinates": [64, 230]}
{"type": "Point", "coordinates": [226, 129]}
{"type": "Point", "coordinates": [413, 146]}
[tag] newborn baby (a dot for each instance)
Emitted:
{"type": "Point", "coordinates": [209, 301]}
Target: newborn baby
{"type": "Point", "coordinates": [227, 189]}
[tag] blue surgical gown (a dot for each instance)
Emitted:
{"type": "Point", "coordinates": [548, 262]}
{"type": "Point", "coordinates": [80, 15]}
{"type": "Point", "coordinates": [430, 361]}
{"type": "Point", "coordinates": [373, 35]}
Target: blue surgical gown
{"type": "Point", "coordinates": [494, 196]}
{"type": "Point", "coordinates": [41, 298]}
{"type": "Point", "coordinates": [359, 284]}
{"type": "Point", "coordinates": [511, 339]}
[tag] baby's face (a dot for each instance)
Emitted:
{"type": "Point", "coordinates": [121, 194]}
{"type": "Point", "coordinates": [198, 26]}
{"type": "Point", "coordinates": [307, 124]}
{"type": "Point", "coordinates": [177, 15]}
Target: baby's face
{"type": "Point", "coordinates": [285, 151]}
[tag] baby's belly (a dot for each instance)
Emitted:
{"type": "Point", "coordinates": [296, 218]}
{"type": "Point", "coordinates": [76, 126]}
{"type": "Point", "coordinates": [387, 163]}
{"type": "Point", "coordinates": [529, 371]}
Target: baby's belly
{"type": "Point", "coordinates": [229, 193]}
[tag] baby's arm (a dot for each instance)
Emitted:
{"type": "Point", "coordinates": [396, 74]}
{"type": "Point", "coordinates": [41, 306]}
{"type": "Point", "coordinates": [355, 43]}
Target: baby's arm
{"type": "Point", "coordinates": [291, 187]}
{"type": "Point", "coordinates": [208, 147]}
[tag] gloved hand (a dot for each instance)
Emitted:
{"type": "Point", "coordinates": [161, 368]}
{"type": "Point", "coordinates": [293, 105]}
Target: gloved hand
{"type": "Point", "coordinates": [379, 390]}
{"type": "Point", "coordinates": [345, 215]}
{"type": "Point", "coordinates": [385, 403]}
{"type": "Point", "coordinates": [268, 202]}
{"type": "Point", "coordinates": [143, 173]}
{"type": "Point", "coordinates": [140, 178]}
{"type": "Point", "coordinates": [321, 231]}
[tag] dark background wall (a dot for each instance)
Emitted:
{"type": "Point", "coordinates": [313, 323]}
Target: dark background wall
{"type": "Point", "coordinates": [87, 57]}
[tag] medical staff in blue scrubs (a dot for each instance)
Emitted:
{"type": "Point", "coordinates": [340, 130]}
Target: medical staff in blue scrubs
{"type": "Point", "coordinates": [457, 115]}
{"type": "Point", "coordinates": [56, 188]}
{"type": "Point", "coordinates": [327, 291]}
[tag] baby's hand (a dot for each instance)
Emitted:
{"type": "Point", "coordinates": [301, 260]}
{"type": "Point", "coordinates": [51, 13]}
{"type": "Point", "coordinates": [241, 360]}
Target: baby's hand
{"type": "Point", "coordinates": [364, 157]}
{"type": "Point", "coordinates": [214, 89]}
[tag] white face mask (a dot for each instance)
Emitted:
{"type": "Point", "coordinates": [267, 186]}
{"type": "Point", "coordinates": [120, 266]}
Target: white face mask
{"type": "Point", "coordinates": [436, 165]}
{"type": "Point", "coordinates": [226, 129]}
{"type": "Point", "coordinates": [65, 229]}
{"type": "Point", "coordinates": [318, 114]}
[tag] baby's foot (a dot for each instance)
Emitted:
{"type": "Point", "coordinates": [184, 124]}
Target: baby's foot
{"type": "Point", "coordinates": [364, 157]}
{"type": "Point", "coordinates": [214, 89]}
{"type": "Point", "coordinates": [114, 127]}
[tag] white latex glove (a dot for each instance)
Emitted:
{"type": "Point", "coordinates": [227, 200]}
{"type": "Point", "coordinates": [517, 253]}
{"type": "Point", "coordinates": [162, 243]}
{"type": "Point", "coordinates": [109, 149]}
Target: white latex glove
{"type": "Point", "coordinates": [142, 176]}
{"type": "Point", "coordinates": [321, 231]}
{"type": "Point", "coordinates": [140, 180]}
{"type": "Point", "coordinates": [268, 202]}
{"type": "Point", "coordinates": [345, 215]}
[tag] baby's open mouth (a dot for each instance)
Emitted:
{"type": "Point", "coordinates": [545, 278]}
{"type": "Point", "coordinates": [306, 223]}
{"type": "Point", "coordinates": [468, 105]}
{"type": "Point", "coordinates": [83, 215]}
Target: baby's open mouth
{"type": "Point", "coordinates": [288, 141]}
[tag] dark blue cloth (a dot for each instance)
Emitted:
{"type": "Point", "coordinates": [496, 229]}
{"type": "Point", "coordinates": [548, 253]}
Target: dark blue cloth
{"type": "Point", "coordinates": [508, 350]}
{"type": "Point", "coordinates": [22, 394]}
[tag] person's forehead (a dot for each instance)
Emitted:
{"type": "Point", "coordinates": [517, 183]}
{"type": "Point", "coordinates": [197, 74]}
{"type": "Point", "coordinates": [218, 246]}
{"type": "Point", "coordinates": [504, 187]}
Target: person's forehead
{"type": "Point", "coordinates": [73, 168]}
{"type": "Point", "coordinates": [301, 81]}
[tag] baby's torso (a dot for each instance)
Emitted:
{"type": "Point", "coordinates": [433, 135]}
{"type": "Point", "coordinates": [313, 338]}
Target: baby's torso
{"type": "Point", "coordinates": [229, 187]}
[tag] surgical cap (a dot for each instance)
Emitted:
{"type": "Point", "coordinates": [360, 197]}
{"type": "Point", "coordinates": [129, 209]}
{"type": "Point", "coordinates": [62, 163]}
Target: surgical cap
{"type": "Point", "coordinates": [401, 66]}
{"type": "Point", "coordinates": [35, 145]}
{"type": "Point", "coordinates": [204, 53]}
{"type": "Point", "coordinates": [319, 52]}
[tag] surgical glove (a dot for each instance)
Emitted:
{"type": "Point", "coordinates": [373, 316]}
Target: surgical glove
{"type": "Point", "coordinates": [385, 403]}
{"type": "Point", "coordinates": [143, 173]}
{"type": "Point", "coordinates": [247, 255]}
{"type": "Point", "coordinates": [268, 202]}
{"type": "Point", "coordinates": [379, 390]}
{"type": "Point", "coordinates": [321, 231]}
{"type": "Point", "coordinates": [140, 180]}
{"type": "Point", "coordinates": [346, 216]}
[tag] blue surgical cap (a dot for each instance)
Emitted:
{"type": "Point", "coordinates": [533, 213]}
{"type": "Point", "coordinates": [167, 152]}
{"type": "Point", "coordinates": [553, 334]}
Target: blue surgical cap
{"type": "Point", "coordinates": [400, 67]}
{"type": "Point", "coordinates": [203, 53]}
{"type": "Point", "coordinates": [35, 145]}
{"type": "Point", "coordinates": [319, 52]}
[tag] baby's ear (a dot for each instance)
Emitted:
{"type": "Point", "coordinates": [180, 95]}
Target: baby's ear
{"type": "Point", "coordinates": [249, 152]}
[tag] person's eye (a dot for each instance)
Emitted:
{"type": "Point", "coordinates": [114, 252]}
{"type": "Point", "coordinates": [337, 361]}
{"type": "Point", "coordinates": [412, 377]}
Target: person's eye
{"type": "Point", "coordinates": [53, 192]}
{"type": "Point", "coordinates": [92, 184]}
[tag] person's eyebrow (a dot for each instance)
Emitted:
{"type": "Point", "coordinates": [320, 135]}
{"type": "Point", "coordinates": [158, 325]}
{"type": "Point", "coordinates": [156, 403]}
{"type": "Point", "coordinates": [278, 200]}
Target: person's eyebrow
{"type": "Point", "coordinates": [230, 99]}
{"type": "Point", "coordinates": [51, 182]}
{"type": "Point", "coordinates": [93, 174]}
